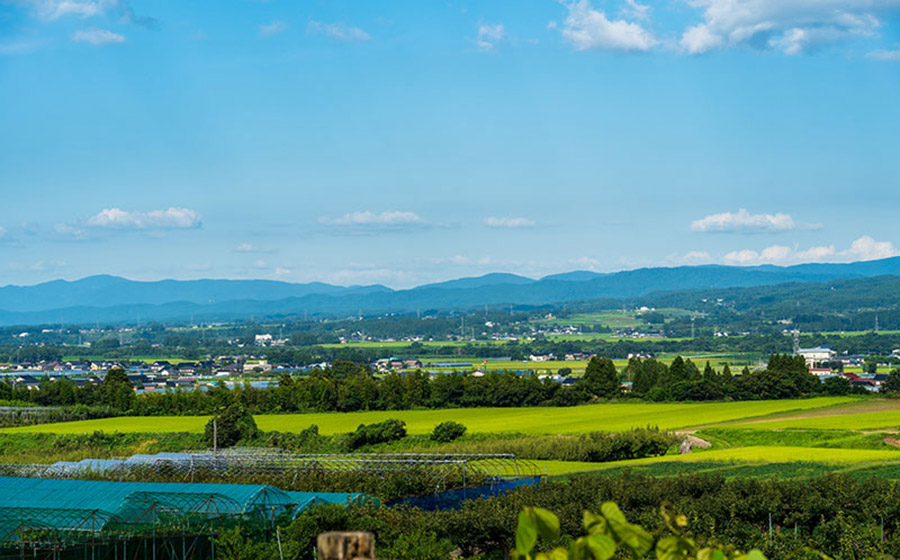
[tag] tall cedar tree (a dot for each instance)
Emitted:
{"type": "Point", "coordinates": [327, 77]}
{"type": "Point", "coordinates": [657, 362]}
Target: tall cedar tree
{"type": "Point", "coordinates": [601, 379]}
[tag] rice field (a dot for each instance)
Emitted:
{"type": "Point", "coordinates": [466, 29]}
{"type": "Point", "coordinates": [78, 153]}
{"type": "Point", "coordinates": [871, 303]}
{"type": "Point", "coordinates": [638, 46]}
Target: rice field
{"type": "Point", "coordinates": [612, 417]}
{"type": "Point", "coordinates": [865, 415]}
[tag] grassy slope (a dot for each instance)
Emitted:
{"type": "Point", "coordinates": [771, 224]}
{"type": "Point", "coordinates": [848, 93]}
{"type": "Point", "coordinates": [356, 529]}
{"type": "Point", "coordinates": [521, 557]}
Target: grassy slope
{"type": "Point", "coordinates": [726, 457]}
{"type": "Point", "coordinates": [601, 417]}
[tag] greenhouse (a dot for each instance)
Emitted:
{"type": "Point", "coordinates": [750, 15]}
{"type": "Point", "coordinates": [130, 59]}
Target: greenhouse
{"type": "Point", "coordinates": [55, 515]}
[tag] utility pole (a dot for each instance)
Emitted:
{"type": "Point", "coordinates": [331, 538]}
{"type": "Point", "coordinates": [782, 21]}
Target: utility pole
{"type": "Point", "coordinates": [796, 342]}
{"type": "Point", "coordinates": [692, 326]}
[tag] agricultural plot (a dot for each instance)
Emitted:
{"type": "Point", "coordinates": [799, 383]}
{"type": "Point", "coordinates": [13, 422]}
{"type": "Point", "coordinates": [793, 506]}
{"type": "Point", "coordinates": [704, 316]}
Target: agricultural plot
{"type": "Point", "coordinates": [747, 460]}
{"type": "Point", "coordinates": [542, 420]}
{"type": "Point", "coordinates": [866, 415]}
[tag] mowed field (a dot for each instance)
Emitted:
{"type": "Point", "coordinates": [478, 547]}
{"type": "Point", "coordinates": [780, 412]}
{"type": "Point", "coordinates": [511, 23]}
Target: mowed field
{"type": "Point", "coordinates": [860, 416]}
{"type": "Point", "coordinates": [542, 420]}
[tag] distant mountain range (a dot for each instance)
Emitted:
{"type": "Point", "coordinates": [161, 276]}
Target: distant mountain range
{"type": "Point", "coordinates": [113, 299]}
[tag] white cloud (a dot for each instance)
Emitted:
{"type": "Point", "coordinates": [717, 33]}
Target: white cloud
{"type": "Point", "coordinates": [55, 9]}
{"type": "Point", "coordinates": [389, 218]}
{"type": "Point", "coordinates": [250, 248]}
{"type": "Point", "coordinates": [743, 222]}
{"type": "Point", "coordinates": [489, 36]}
{"type": "Point", "coordinates": [338, 31]}
{"type": "Point", "coordinates": [273, 28]}
{"type": "Point", "coordinates": [586, 28]}
{"type": "Point", "coordinates": [700, 39]}
{"type": "Point", "coordinates": [494, 222]}
{"type": "Point", "coordinates": [97, 37]}
{"type": "Point", "coordinates": [692, 258]}
{"type": "Point", "coordinates": [3, 232]}
{"type": "Point", "coordinates": [867, 249]}
{"type": "Point", "coordinates": [792, 26]}
{"type": "Point", "coordinates": [886, 55]}
{"type": "Point", "coordinates": [171, 218]}
{"type": "Point", "coordinates": [50, 10]}
{"type": "Point", "coordinates": [586, 263]}
{"type": "Point", "coordinates": [460, 260]}
{"type": "Point", "coordinates": [68, 230]}
{"type": "Point", "coordinates": [367, 222]}
{"type": "Point", "coordinates": [863, 249]}
{"type": "Point", "coordinates": [634, 10]}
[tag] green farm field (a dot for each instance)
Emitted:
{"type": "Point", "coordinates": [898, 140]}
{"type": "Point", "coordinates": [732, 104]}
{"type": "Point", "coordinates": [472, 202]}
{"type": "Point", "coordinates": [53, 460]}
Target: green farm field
{"type": "Point", "coordinates": [544, 420]}
{"type": "Point", "coordinates": [863, 415]}
{"type": "Point", "coordinates": [744, 456]}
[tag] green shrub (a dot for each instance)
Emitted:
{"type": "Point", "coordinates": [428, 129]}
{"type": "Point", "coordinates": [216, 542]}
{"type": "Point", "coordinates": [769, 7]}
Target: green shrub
{"type": "Point", "coordinates": [445, 432]}
{"type": "Point", "coordinates": [381, 432]}
{"type": "Point", "coordinates": [227, 429]}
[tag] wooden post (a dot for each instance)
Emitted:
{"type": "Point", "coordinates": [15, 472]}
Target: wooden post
{"type": "Point", "coordinates": [346, 546]}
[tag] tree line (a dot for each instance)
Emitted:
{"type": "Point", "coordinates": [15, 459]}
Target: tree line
{"type": "Point", "coordinates": [349, 386]}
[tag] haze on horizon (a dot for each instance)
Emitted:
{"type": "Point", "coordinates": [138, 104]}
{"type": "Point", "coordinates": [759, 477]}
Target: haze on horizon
{"type": "Point", "coordinates": [404, 143]}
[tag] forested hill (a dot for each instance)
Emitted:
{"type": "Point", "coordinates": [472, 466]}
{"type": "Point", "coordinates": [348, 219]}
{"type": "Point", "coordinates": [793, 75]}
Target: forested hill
{"type": "Point", "coordinates": [838, 305]}
{"type": "Point", "coordinates": [107, 298]}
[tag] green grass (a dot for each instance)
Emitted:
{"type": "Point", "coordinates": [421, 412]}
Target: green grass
{"type": "Point", "coordinates": [844, 439]}
{"type": "Point", "coordinates": [757, 460]}
{"type": "Point", "coordinates": [546, 420]}
{"type": "Point", "coordinates": [884, 420]}
{"type": "Point", "coordinates": [770, 454]}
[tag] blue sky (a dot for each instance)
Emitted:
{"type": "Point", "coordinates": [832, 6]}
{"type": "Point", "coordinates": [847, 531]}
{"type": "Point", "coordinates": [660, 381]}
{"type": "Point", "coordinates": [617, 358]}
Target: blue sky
{"type": "Point", "coordinates": [409, 142]}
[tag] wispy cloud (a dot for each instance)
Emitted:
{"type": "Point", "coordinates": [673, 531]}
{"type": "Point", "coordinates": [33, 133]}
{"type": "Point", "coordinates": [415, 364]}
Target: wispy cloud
{"type": "Point", "coordinates": [743, 221]}
{"type": "Point", "coordinates": [18, 47]}
{"type": "Point", "coordinates": [886, 55]}
{"type": "Point", "coordinates": [791, 26]}
{"type": "Point", "coordinates": [587, 28]}
{"type": "Point", "coordinates": [50, 10]}
{"type": "Point", "coordinates": [489, 36]}
{"type": "Point", "coordinates": [506, 222]}
{"type": "Point", "coordinates": [337, 31]}
{"type": "Point", "coordinates": [371, 222]}
{"type": "Point", "coordinates": [250, 248]}
{"type": "Point", "coordinates": [171, 218]}
{"type": "Point", "coordinates": [69, 231]}
{"type": "Point", "coordinates": [272, 29]}
{"type": "Point", "coordinates": [634, 10]}
{"type": "Point", "coordinates": [586, 263]}
{"type": "Point", "coordinates": [97, 37]}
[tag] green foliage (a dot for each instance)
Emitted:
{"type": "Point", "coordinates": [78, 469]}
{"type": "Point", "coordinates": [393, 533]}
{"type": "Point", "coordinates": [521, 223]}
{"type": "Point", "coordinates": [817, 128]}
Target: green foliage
{"type": "Point", "coordinates": [382, 432]}
{"type": "Point", "coordinates": [445, 432]}
{"type": "Point", "coordinates": [600, 378]}
{"type": "Point", "coordinates": [116, 376]}
{"type": "Point", "coordinates": [833, 439]}
{"type": "Point", "coordinates": [892, 383]}
{"type": "Point", "coordinates": [118, 392]}
{"type": "Point", "coordinates": [837, 386]}
{"type": "Point", "coordinates": [610, 532]}
{"type": "Point", "coordinates": [593, 447]}
{"type": "Point", "coordinates": [233, 425]}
